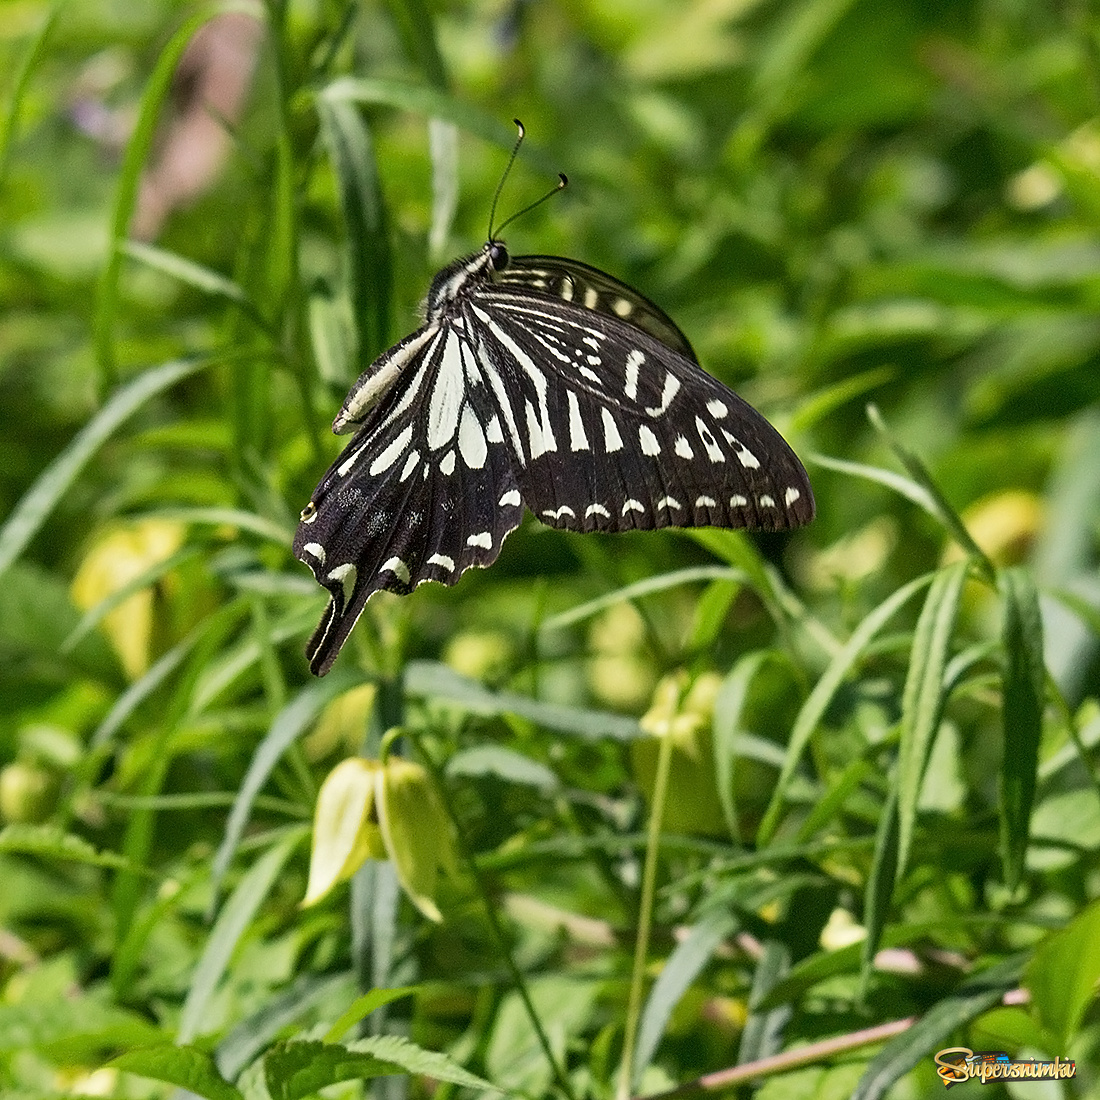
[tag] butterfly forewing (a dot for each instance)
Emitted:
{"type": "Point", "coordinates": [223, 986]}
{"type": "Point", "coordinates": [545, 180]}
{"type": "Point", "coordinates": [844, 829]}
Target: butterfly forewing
{"type": "Point", "coordinates": [541, 382]}
{"type": "Point", "coordinates": [638, 436]}
{"type": "Point", "coordinates": [423, 492]}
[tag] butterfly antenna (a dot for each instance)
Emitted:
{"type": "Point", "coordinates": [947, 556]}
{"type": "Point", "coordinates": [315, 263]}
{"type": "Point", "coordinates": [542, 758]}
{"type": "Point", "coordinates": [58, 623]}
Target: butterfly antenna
{"type": "Point", "coordinates": [507, 169]}
{"type": "Point", "coordinates": [562, 182]}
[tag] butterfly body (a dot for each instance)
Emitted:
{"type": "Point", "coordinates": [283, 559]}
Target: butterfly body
{"type": "Point", "coordinates": [534, 381]}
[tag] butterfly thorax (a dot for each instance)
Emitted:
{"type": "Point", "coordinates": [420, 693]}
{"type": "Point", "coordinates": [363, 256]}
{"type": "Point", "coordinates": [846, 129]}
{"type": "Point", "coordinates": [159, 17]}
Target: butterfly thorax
{"type": "Point", "coordinates": [462, 276]}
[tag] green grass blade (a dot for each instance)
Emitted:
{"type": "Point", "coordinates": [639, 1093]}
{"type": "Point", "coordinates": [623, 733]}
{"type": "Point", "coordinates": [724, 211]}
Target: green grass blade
{"type": "Point", "coordinates": [432, 103]}
{"type": "Point", "coordinates": [416, 25]}
{"type": "Point", "coordinates": [430, 680]}
{"type": "Point", "coordinates": [1022, 718]}
{"type": "Point", "coordinates": [638, 589]}
{"type": "Point", "coordinates": [230, 926]}
{"type": "Point", "coordinates": [680, 969]}
{"type": "Point", "coordinates": [941, 510]}
{"type": "Point", "coordinates": [934, 1030]}
{"type": "Point", "coordinates": [368, 265]}
{"type": "Point", "coordinates": [443, 145]}
{"type": "Point", "coordinates": [31, 512]}
{"type": "Point", "coordinates": [822, 695]}
{"type": "Point", "coordinates": [9, 120]}
{"type": "Point", "coordinates": [137, 153]}
{"type": "Point", "coordinates": [924, 697]}
{"type": "Point", "coordinates": [880, 883]}
{"type": "Point", "coordinates": [288, 725]}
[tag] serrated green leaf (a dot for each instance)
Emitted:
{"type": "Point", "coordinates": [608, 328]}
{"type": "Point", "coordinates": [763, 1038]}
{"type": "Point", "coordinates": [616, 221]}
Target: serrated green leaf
{"type": "Point", "coordinates": [50, 842]}
{"type": "Point", "coordinates": [182, 1066]}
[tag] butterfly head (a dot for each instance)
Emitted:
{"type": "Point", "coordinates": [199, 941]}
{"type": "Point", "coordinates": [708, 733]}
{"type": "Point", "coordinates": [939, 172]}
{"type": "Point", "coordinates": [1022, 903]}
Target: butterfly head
{"type": "Point", "coordinates": [457, 278]}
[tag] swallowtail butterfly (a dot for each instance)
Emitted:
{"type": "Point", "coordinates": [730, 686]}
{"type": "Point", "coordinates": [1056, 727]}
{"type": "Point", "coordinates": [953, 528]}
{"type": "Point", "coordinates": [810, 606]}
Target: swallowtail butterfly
{"type": "Point", "coordinates": [536, 381]}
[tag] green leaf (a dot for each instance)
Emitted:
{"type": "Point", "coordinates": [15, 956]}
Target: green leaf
{"type": "Point", "coordinates": [287, 727]}
{"type": "Point", "coordinates": [940, 508]}
{"type": "Point", "coordinates": [299, 1069]}
{"type": "Point", "coordinates": [362, 1007]}
{"type": "Point", "coordinates": [231, 925]}
{"type": "Point", "coordinates": [79, 1028]}
{"type": "Point", "coordinates": [680, 969]}
{"type": "Point", "coordinates": [17, 94]}
{"type": "Point", "coordinates": [924, 697]}
{"type": "Point", "coordinates": [50, 842]}
{"type": "Point", "coordinates": [182, 1066]}
{"type": "Point", "coordinates": [1063, 976]}
{"type": "Point", "coordinates": [368, 266]}
{"type": "Point", "coordinates": [30, 513]}
{"type": "Point", "coordinates": [813, 710]}
{"type": "Point", "coordinates": [637, 590]}
{"type": "Point", "coordinates": [430, 680]}
{"type": "Point", "coordinates": [1022, 714]}
{"type": "Point", "coordinates": [423, 100]}
{"type": "Point", "coordinates": [156, 88]}
{"type": "Point", "coordinates": [934, 1029]}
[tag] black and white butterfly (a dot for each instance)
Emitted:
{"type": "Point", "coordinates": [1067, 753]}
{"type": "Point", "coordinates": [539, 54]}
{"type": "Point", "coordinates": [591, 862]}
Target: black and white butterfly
{"type": "Point", "coordinates": [536, 381]}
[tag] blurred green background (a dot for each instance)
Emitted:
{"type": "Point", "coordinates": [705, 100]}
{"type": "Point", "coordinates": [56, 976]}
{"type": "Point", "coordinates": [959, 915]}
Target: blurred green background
{"type": "Point", "coordinates": [211, 223]}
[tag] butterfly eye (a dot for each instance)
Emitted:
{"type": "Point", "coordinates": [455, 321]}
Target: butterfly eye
{"type": "Point", "coordinates": [498, 256]}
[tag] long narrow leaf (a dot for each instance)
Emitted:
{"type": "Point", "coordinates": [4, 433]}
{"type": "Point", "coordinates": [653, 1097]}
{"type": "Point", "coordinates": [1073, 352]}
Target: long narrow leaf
{"type": "Point", "coordinates": [137, 153]}
{"type": "Point", "coordinates": [10, 118]}
{"type": "Point", "coordinates": [826, 688]}
{"type": "Point", "coordinates": [288, 725]}
{"type": "Point", "coordinates": [933, 1030]}
{"type": "Point", "coordinates": [230, 926]}
{"type": "Point", "coordinates": [368, 266]}
{"type": "Point", "coordinates": [681, 968]}
{"type": "Point", "coordinates": [30, 513]}
{"type": "Point", "coordinates": [1022, 717]}
{"type": "Point", "coordinates": [924, 697]}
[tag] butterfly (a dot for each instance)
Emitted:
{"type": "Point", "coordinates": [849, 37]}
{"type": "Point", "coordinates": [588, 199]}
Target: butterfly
{"type": "Point", "coordinates": [534, 381]}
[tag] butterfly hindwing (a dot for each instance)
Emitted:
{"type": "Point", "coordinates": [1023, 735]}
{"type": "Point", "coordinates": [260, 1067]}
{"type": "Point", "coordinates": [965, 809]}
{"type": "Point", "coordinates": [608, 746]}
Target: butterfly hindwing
{"type": "Point", "coordinates": [593, 290]}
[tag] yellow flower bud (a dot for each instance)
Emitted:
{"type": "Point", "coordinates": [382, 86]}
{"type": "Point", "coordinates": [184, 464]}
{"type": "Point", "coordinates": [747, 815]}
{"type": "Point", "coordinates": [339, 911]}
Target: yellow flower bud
{"type": "Point", "coordinates": [367, 809]}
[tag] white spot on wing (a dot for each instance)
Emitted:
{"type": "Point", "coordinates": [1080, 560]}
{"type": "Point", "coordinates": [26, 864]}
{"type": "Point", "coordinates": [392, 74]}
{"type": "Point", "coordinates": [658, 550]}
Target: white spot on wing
{"type": "Point", "coordinates": [633, 361]}
{"type": "Point", "coordinates": [448, 463]}
{"type": "Point", "coordinates": [511, 497]}
{"type": "Point", "coordinates": [443, 562]}
{"type": "Point", "coordinates": [648, 441]}
{"type": "Point", "coordinates": [766, 501]}
{"type": "Point", "coordinates": [484, 539]}
{"type": "Point", "coordinates": [671, 389]}
{"type": "Point", "coordinates": [705, 502]}
{"type": "Point", "coordinates": [446, 399]}
{"type": "Point", "coordinates": [540, 436]}
{"type": "Point", "coordinates": [668, 502]}
{"type": "Point", "coordinates": [578, 441]}
{"type": "Point", "coordinates": [591, 297]}
{"type": "Point", "coordinates": [471, 439]}
{"type": "Point", "coordinates": [717, 409]}
{"type": "Point", "coordinates": [315, 550]}
{"type": "Point", "coordinates": [714, 452]}
{"type": "Point", "coordinates": [612, 441]}
{"type": "Point", "coordinates": [791, 496]}
{"type": "Point", "coordinates": [596, 510]}
{"type": "Point", "coordinates": [492, 431]}
{"type": "Point", "coordinates": [398, 568]}
{"type": "Point", "coordinates": [683, 447]}
{"type": "Point", "coordinates": [623, 307]}
{"type": "Point", "coordinates": [633, 505]}
{"type": "Point", "coordinates": [410, 465]}
{"type": "Point", "coordinates": [345, 575]}
{"type": "Point", "coordinates": [388, 457]}
{"type": "Point", "coordinates": [744, 455]}
{"type": "Point", "coordinates": [738, 501]}
{"type": "Point", "coordinates": [564, 510]}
